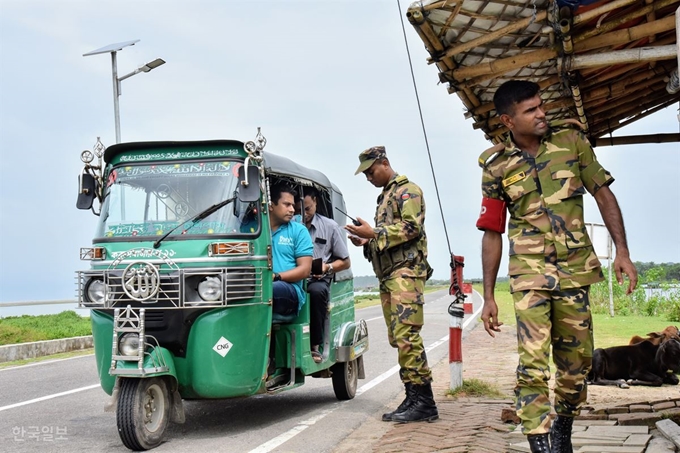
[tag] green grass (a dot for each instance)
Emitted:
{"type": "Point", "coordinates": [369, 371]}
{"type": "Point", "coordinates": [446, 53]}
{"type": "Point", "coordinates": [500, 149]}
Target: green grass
{"type": "Point", "coordinates": [476, 388]}
{"type": "Point", "coordinates": [607, 331]}
{"type": "Point", "coordinates": [23, 329]}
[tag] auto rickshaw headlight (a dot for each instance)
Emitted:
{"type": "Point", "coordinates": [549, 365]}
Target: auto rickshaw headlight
{"type": "Point", "coordinates": [128, 344]}
{"type": "Point", "coordinates": [96, 291]}
{"type": "Point", "coordinates": [210, 289]}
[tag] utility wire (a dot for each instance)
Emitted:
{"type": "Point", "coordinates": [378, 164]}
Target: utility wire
{"type": "Point", "coordinates": [455, 288]}
{"type": "Point", "coordinates": [422, 122]}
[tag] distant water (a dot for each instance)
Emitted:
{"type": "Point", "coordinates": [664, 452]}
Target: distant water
{"type": "Point", "coordinates": [35, 310]}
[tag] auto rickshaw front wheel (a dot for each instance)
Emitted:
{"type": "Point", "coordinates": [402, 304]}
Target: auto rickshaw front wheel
{"type": "Point", "coordinates": [345, 375]}
{"type": "Point", "coordinates": [143, 412]}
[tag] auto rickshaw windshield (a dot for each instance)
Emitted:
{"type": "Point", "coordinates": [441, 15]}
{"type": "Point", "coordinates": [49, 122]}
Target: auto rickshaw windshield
{"type": "Point", "coordinates": [147, 201]}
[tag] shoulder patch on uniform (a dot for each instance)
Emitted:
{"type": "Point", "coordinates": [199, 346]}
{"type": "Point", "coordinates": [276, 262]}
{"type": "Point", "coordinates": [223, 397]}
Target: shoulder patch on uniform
{"type": "Point", "coordinates": [401, 180]}
{"type": "Point", "coordinates": [491, 154]}
{"type": "Point", "coordinates": [570, 123]}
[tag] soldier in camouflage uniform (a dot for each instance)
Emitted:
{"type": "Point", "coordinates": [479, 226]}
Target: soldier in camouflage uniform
{"type": "Point", "coordinates": [397, 249]}
{"type": "Point", "coordinates": [540, 175]}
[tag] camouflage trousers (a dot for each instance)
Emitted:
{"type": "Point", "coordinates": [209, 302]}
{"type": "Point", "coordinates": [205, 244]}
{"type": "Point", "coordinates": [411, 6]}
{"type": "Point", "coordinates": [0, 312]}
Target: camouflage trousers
{"type": "Point", "coordinates": [563, 319]}
{"type": "Point", "coordinates": [402, 304]}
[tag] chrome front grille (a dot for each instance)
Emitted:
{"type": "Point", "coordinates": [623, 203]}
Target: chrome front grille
{"type": "Point", "coordinates": [177, 288]}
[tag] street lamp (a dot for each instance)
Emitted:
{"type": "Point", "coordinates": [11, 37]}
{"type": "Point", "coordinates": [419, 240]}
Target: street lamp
{"type": "Point", "coordinates": [112, 49]}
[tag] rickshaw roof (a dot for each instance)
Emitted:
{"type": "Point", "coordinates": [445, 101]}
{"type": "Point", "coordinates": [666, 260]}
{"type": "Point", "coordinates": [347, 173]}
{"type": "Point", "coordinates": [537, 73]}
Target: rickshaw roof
{"type": "Point", "coordinates": [274, 164]}
{"type": "Point", "coordinates": [282, 166]}
{"type": "Point", "coordinates": [113, 150]}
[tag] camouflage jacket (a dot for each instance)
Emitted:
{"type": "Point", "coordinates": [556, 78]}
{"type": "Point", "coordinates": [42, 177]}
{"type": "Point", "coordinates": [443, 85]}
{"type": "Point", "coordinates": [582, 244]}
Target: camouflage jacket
{"type": "Point", "coordinates": [549, 245]}
{"type": "Point", "coordinates": [400, 247]}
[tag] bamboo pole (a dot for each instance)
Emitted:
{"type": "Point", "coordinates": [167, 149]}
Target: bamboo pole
{"type": "Point", "coordinates": [428, 35]}
{"type": "Point", "coordinates": [614, 124]}
{"type": "Point", "coordinates": [593, 13]}
{"type": "Point", "coordinates": [651, 17]}
{"type": "Point", "coordinates": [624, 56]}
{"type": "Point", "coordinates": [441, 4]}
{"type": "Point", "coordinates": [618, 37]}
{"type": "Point", "coordinates": [635, 107]}
{"type": "Point", "coordinates": [634, 110]}
{"type": "Point", "coordinates": [604, 28]}
{"type": "Point", "coordinates": [651, 110]}
{"type": "Point", "coordinates": [449, 19]}
{"type": "Point", "coordinates": [618, 88]}
{"type": "Point", "coordinates": [609, 105]}
{"type": "Point", "coordinates": [503, 65]}
{"type": "Point", "coordinates": [492, 36]}
{"type": "Point", "coordinates": [603, 77]}
{"type": "Point", "coordinates": [637, 139]}
{"type": "Point", "coordinates": [613, 108]}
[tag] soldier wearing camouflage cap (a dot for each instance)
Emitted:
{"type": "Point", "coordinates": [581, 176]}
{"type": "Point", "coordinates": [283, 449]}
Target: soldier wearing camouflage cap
{"type": "Point", "coordinates": [397, 249]}
{"type": "Point", "coordinates": [540, 175]}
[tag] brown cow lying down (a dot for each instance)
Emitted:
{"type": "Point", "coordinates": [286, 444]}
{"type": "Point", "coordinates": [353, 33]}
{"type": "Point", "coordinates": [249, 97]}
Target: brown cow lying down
{"type": "Point", "coordinates": [658, 337]}
{"type": "Point", "coordinates": [644, 363]}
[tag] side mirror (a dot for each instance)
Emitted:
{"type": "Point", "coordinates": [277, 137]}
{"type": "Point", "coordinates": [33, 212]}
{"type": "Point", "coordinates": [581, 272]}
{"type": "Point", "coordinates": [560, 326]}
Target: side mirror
{"type": "Point", "coordinates": [86, 191]}
{"type": "Point", "coordinates": [251, 191]}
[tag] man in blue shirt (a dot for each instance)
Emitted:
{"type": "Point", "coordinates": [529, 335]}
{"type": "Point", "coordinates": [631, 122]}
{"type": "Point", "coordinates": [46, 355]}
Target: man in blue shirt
{"type": "Point", "coordinates": [292, 252]}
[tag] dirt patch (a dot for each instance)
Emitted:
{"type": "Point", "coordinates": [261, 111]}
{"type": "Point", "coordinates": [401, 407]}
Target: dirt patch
{"type": "Point", "coordinates": [599, 395]}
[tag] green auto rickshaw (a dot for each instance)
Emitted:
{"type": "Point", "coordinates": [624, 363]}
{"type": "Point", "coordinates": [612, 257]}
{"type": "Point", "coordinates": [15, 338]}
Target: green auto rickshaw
{"type": "Point", "coordinates": [180, 281]}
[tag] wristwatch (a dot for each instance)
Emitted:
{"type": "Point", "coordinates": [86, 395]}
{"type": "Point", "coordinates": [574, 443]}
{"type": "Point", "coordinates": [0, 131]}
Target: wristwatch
{"type": "Point", "coordinates": [277, 277]}
{"type": "Point", "coordinates": [330, 269]}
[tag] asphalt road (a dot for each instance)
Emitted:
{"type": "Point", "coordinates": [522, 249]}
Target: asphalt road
{"type": "Point", "coordinates": [59, 406]}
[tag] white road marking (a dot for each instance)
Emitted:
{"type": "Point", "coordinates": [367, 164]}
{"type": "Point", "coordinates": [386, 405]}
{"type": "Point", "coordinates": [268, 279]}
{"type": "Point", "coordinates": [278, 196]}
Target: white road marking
{"type": "Point", "coordinates": [284, 437]}
{"type": "Point", "coordinates": [48, 397]}
{"type": "Point", "coordinates": [373, 319]}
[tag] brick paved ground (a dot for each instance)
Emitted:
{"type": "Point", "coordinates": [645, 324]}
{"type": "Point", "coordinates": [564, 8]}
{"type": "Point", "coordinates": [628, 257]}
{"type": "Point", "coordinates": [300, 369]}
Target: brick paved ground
{"type": "Point", "coordinates": [466, 424]}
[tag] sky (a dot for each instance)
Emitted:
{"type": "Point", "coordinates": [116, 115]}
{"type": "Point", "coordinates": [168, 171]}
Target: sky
{"type": "Point", "coordinates": [324, 81]}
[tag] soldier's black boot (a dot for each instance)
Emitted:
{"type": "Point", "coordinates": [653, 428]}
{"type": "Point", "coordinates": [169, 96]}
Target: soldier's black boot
{"type": "Point", "coordinates": [422, 409]}
{"type": "Point", "coordinates": [560, 434]}
{"type": "Point", "coordinates": [539, 443]}
{"type": "Point", "coordinates": [410, 399]}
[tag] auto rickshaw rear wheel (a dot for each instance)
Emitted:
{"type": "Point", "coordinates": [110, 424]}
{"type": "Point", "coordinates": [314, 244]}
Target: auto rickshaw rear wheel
{"type": "Point", "coordinates": [143, 412]}
{"type": "Point", "coordinates": [345, 375]}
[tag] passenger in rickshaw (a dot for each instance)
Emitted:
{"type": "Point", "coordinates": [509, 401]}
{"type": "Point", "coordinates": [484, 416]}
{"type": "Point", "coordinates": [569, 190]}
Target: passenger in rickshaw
{"type": "Point", "coordinates": [291, 252]}
{"type": "Point", "coordinates": [330, 251]}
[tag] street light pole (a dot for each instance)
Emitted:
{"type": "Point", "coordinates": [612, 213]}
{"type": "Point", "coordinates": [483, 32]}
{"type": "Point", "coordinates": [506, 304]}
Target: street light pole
{"type": "Point", "coordinates": [113, 50]}
{"type": "Point", "coordinates": [116, 94]}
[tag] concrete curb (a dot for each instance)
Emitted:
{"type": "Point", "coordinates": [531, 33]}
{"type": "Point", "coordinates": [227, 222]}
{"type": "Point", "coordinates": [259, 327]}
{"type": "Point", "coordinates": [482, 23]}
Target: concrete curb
{"type": "Point", "coordinates": [11, 352]}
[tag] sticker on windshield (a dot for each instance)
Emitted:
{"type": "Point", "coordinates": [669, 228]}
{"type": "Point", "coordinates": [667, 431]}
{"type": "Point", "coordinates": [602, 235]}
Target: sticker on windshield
{"type": "Point", "coordinates": [222, 347]}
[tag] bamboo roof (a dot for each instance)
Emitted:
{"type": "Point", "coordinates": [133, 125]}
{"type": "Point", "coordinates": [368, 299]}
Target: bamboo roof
{"type": "Point", "coordinates": [605, 63]}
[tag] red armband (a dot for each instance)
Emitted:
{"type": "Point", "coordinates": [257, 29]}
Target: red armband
{"type": "Point", "coordinates": [492, 216]}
